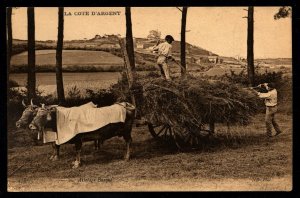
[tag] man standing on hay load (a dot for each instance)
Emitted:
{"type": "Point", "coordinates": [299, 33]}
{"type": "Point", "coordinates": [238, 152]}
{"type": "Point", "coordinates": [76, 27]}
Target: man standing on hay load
{"type": "Point", "coordinates": [164, 53]}
{"type": "Point", "coordinates": [271, 106]}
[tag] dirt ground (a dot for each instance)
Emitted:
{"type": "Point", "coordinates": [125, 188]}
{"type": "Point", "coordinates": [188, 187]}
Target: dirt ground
{"type": "Point", "coordinates": [243, 159]}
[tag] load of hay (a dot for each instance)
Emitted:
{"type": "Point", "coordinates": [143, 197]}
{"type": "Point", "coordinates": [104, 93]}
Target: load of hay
{"type": "Point", "coordinates": [186, 105]}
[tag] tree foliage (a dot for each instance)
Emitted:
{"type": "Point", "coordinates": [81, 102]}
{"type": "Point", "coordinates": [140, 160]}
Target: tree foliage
{"type": "Point", "coordinates": [154, 35]}
{"type": "Point", "coordinates": [283, 12]}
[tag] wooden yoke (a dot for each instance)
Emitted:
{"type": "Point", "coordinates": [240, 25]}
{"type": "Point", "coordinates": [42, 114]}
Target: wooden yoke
{"type": "Point", "coordinates": [131, 73]}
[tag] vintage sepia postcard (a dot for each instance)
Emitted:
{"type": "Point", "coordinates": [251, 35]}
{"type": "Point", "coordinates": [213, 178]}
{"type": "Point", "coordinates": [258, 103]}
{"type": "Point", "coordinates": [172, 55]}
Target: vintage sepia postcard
{"type": "Point", "coordinates": [149, 99]}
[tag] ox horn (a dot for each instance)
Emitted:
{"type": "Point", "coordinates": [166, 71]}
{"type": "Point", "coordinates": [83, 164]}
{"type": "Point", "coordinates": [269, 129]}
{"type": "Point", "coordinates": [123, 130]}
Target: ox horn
{"type": "Point", "coordinates": [52, 107]}
{"type": "Point", "coordinates": [23, 103]}
{"type": "Point", "coordinates": [31, 103]}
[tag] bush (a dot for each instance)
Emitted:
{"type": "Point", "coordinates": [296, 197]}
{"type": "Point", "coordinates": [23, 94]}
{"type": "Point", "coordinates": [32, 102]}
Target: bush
{"type": "Point", "coordinates": [74, 92]}
{"type": "Point", "coordinates": [101, 97]}
{"type": "Point", "coordinates": [120, 89]}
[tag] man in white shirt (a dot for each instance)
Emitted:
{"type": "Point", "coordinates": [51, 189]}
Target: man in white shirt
{"type": "Point", "coordinates": [164, 53]}
{"type": "Point", "coordinates": [271, 107]}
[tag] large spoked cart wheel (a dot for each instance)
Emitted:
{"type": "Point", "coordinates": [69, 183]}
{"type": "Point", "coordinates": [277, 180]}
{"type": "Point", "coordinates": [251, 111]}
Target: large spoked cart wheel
{"type": "Point", "coordinates": [160, 131]}
{"type": "Point", "coordinates": [181, 136]}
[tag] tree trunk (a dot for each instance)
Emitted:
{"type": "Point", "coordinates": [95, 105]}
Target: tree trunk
{"type": "Point", "coordinates": [9, 38]}
{"type": "Point", "coordinates": [250, 41]}
{"type": "Point", "coordinates": [182, 43]}
{"type": "Point", "coordinates": [59, 48]}
{"type": "Point", "coordinates": [31, 54]}
{"type": "Point", "coordinates": [129, 72]}
{"type": "Point", "coordinates": [129, 53]}
{"type": "Point", "coordinates": [129, 39]}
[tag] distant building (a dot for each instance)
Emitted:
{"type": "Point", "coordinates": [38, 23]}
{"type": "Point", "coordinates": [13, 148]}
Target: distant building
{"type": "Point", "coordinates": [213, 59]}
{"type": "Point", "coordinates": [97, 36]}
{"type": "Point", "coordinates": [110, 36]}
{"type": "Point", "coordinates": [144, 45]}
{"type": "Point", "coordinates": [140, 46]}
{"type": "Point", "coordinates": [198, 61]}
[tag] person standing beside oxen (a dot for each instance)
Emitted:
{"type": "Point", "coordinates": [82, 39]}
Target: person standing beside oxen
{"type": "Point", "coordinates": [269, 93]}
{"type": "Point", "coordinates": [164, 53]}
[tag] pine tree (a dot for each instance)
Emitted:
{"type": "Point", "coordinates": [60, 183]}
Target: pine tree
{"type": "Point", "coordinates": [31, 80]}
{"type": "Point", "coordinates": [59, 48]}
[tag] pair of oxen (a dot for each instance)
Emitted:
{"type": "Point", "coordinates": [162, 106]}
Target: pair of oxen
{"type": "Point", "coordinates": [37, 118]}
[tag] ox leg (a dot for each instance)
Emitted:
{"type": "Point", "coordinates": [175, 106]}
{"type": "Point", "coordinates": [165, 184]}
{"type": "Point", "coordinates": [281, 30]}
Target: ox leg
{"type": "Point", "coordinates": [212, 126]}
{"type": "Point", "coordinates": [97, 144]}
{"type": "Point", "coordinates": [55, 153]}
{"type": "Point", "coordinates": [53, 150]}
{"type": "Point", "coordinates": [78, 146]}
{"type": "Point", "coordinates": [128, 144]}
{"type": "Point", "coordinates": [228, 127]}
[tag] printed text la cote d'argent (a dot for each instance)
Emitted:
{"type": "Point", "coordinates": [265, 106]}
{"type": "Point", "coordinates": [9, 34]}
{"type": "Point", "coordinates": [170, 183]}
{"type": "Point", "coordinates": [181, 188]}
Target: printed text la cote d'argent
{"type": "Point", "coordinates": [93, 13]}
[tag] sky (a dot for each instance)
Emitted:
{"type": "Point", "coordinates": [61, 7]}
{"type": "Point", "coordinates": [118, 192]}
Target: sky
{"type": "Point", "coordinates": [222, 30]}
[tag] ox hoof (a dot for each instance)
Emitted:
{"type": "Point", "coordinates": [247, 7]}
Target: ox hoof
{"type": "Point", "coordinates": [75, 164]}
{"type": "Point", "coordinates": [126, 158]}
{"type": "Point", "coordinates": [54, 158]}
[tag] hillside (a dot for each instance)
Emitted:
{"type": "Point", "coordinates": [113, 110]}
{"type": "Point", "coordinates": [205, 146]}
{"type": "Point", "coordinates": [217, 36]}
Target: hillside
{"type": "Point", "coordinates": [104, 44]}
{"type": "Point", "coordinates": [83, 55]}
{"type": "Point", "coordinates": [86, 56]}
{"type": "Point", "coordinates": [191, 49]}
{"type": "Point", "coordinates": [276, 61]}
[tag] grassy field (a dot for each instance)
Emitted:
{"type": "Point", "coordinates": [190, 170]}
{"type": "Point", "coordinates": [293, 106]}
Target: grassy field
{"type": "Point", "coordinates": [70, 57]}
{"type": "Point", "coordinates": [243, 159]}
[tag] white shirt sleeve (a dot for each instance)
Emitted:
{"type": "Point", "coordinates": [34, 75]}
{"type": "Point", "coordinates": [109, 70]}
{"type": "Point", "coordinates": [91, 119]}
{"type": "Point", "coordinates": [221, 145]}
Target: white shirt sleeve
{"type": "Point", "coordinates": [264, 95]}
{"type": "Point", "coordinates": [156, 47]}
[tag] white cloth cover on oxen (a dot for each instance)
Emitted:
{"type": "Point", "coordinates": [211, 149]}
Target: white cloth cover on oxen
{"type": "Point", "coordinates": [75, 120]}
{"type": "Point", "coordinates": [51, 136]}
